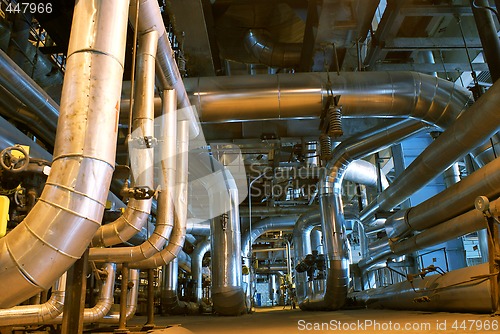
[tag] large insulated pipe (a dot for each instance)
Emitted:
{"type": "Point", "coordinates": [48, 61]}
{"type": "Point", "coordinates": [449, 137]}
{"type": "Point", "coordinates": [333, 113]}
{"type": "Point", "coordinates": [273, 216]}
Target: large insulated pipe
{"type": "Point", "coordinates": [470, 130]}
{"type": "Point", "coordinates": [228, 295]}
{"type": "Point", "coordinates": [165, 213]}
{"type": "Point", "coordinates": [333, 295]}
{"type": "Point", "coordinates": [141, 155]}
{"type": "Point", "coordinates": [303, 95]}
{"type": "Point", "coordinates": [196, 271]}
{"type": "Point", "coordinates": [461, 290]}
{"type": "Point", "coordinates": [36, 314]}
{"type": "Point", "coordinates": [104, 302]}
{"type": "Point", "coordinates": [269, 52]}
{"type": "Point", "coordinates": [60, 226]}
{"type": "Point", "coordinates": [178, 235]}
{"type": "Point", "coordinates": [132, 298]}
{"type": "Point", "coordinates": [453, 201]}
{"type": "Point", "coordinates": [167, 72]}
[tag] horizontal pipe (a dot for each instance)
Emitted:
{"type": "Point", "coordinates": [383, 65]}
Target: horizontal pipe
{"type": "Point", "coordinates": [473, 128]}
{"type": "Point", "coordinates": [36, 314]}
{"type": "Point", "coordinates": [303, 95]}
{"type": "Point", "coordinates": [462, 290]}
{"type": "Point", "coordinates": [455, 200]}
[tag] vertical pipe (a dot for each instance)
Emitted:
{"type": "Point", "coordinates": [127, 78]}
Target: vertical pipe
{"type": "Point", "coordinates": [151, 299]}
{"type": "Point", "coordinates": [122, 323]}
{"type": "Point", "coordinates": [196, 270]}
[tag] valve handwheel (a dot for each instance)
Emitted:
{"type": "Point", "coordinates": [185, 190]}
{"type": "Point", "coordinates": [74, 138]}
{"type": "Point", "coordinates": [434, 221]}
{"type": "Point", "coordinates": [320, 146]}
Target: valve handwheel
{"type": "Point", "coordinates": [13, 162]}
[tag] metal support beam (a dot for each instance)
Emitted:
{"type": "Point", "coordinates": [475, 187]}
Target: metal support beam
{"type": "Point", "coordinates": [450, 67]}
{"type": "Point", "coordinates": [122, 325]}
{"type": "Point", "coordinates": [389, 25]}
{"type": "Point", "coordinates": [435, 10]}
{"type": "Point", "coordinates": [151, 300]}
{"type": "Point", "coordinates": [75, 296]}
{"type": "Point", "coordinates": [430, 43]}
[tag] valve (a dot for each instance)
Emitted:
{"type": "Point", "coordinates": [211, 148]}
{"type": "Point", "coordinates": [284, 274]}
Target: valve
{"type": "Point", "coordinates": [138, 192]}
{"type": "Point", "coordinates": [13, 162]}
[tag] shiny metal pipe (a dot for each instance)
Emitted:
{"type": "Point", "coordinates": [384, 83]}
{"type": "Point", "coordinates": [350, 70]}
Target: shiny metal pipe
{"type": "Point", "coordinates": [197, 227]}
{"type": "Point", "coordinates": [167, 72]}
{"type": "Point", "coordinates": [141, 159]}
{"type": "Point", "coordinates": [18, 83]}
{"type": "Point", "coordinates": [178, 234]}
{"type": "Point", "coordinates": [451, 202]}
{"type": "Point", "coordinates": [332, 293]}
{"type": "Point", "coordinates": [13, 109]}
{"type": "Point", "coordinates": [165, 213]}
{"type": "Point", "coordinates": [104, 301]}
{"type": "Point", "coordinates": [169, 296]}
{"type": "Point", "coordinates": [60, 226]}
{"type": "Point", "coordinates": [461, 290]}
{"type": "Point", "coordinates": [271, 53]}
{"type": "Point", "coordinates": [196, 271]}
{"type": "Point", "coordinates": [302, 95]}
{"type": "Point", "coordinates": [470, 130]}
{"type": "Point", "coordinates": [36, 314]}
{"type": "Point", "coordinates": [316, 240]}
{"type": "Point", "coordinates": [455, 227]}
{"type": "Point", "coordinates": [132, 298]}
{"type": "Point", "coordinates": [228, 296]}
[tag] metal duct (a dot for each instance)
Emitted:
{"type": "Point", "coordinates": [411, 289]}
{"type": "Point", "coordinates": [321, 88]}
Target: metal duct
{"type": "Point", "coordinates": [141, 160]}
{"type": "Point", "coordinates": [19, 84]}
{"type": "Point", "coordinates": [132, 297]}
{"type": "Point", "coordinates": [228, 296]}
{"type": "Point", "coordinates": [332, 294]}
{"type": "Point", "coordinates": [178, 234]}
{"type": "Point", "coordinates": [270, 53]}
{"type": "Point", "coordinates": [303, 95]}
{"type": "Point", "coordinates": [104, 301]}
{"type": "Point", "coordinates": [470, 130]}
{"type": "Point", "coordinates": [36, 314]}
{"type": "Point", "coordinates": [302, 232]}
{"type": "Point", "coordinates": [196, 271]}
{"type": "Point", "coordinates": [256, 230]}
{"type": "Point", "coordinates": [453, 201]}
{"type": "Point", "coordinates": [462, 290]}
{"type": "Point", "coordinates": [167, 72]}
{"type": "Point", "coordinates": [60, 226]}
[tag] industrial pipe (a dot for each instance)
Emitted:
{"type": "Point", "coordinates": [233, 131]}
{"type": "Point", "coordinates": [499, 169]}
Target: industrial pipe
{"type": "Point", "coordinates": [178, 234]}
{"type": "Point", "coordinates": [141, 160]}
{"type": "Point", "coordinates": [470, 130]}
{"type": "Point", "coordinates": [60, 226]}
{"type": "Point", "coordinates": [36, 314]}
{"type": "Point", "coordinates": [132, 297]}
{"type": "Point", "coordinates": [170, 300]}
{"type": "Point", "coordinates": [196, 271]}
{"type": "Point", "coordinates": [167, 72]}
{"type": "Point", "coordinates": [435, 292]}
{"type": "Point", "coordinates": [269, 52]}
{"type": "Point", "coordinates": [303, 96]}
{"type": "Point", "coordinates": [453, 201]}
{"type": "Point", "coordinates": [228, 296]}
{"type": "Point", "coordinates": [331, 295]}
